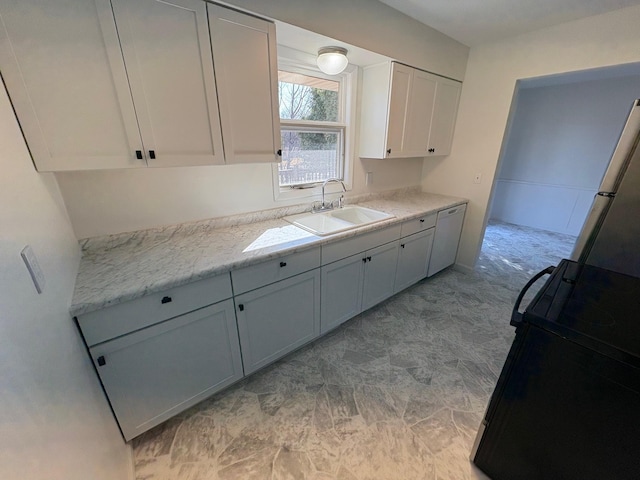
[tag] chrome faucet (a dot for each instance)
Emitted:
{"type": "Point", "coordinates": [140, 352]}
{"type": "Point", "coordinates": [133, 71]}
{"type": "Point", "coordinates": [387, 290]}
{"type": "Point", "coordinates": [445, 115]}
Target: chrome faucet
{"type": "Point", "coordinates": [324, 206]}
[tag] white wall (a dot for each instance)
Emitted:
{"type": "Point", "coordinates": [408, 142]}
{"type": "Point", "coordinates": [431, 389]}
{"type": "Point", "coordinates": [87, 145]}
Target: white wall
{"type": "Point", "coordinates": [559, 145]}
{"type": "Point", "coordinates": [104, 202]}
{"type": "Point", "coordinates": [491, 76]}
{"type": "Point", "coordinates": [371, 25]}
{"type": "Point", "coordinates": [54, 420]}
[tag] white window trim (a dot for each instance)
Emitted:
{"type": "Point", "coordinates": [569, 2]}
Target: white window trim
{"type": "Point", "coordinates": [296, 61]}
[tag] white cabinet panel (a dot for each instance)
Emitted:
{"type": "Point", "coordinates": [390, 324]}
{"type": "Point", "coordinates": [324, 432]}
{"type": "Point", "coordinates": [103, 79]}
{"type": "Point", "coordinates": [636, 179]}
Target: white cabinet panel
{"type": "Point", "coordinates": [152, 374]}
{"type": "Point", "coordinates": [341, 291]}
{"type": "Point", "coordinates": [379, 274]}
{"type": "Point", "coordinates": [420, 111]}
{"type": "Point", "coordinates": [446, 238]}
{"type": "Point", "coordinates": [167, 52]}
{"type": "Point", "coordinates": [245, 57]}
{"type": "Point", "coordinates": [399, 98]}
{"type": "Point", "coordinates": [278, 318]}
{"type": "Point", "coordinates": [74, 109]}
{"type": "Point", "coordinates": [445, 109]}
{"type": "Point", "coordinates": [413, 259]}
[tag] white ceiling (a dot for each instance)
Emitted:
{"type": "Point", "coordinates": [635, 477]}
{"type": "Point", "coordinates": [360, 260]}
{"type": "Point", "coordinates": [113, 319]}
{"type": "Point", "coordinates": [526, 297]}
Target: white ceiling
{"type": "Point", "coordinates": [473, 22]}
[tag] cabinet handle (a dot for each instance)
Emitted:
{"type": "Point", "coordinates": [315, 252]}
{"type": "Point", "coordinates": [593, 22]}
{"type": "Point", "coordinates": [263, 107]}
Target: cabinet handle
{"type": "Point", "coordinates": [283, 264]}
{"type": "Point", "coordinates": [422, 220]}
{"type": "Point", "coordinates": [241, 307]}
{"type": "Point", "coordinates": [166, 300]}
{"type": "Point", "coordinates": [152, 154]}
{"type": "Point", "coordinates": [388, 151]}
{"type": "Point", "coordinates": [369, 259]}
{"type": "Point", "coordinates": [139, 154]}
{"type": "Point", "coordinates": [279, 153]}
{"type": "Point", "coordinates": [402, 245]}
{"type": "Point", "coordinates": [101, 361]}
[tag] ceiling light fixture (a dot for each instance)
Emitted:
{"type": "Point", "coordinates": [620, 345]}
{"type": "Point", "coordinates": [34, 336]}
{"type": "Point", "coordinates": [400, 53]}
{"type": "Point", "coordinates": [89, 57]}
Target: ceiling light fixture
{"type": "Point", "coordinates": [332, 60]}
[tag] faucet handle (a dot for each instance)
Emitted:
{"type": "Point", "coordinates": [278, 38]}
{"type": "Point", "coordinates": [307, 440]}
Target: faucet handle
{"type": "Point", "coordinates": [341, 201]}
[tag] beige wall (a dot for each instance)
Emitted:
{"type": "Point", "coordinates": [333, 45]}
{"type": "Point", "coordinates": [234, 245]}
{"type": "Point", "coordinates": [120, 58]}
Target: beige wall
{"type": "Point", "coordinates": [54, 418]}
{"type": "Point", "coordinates": [105, 202]}
{"type": "Point", "coordinates": [490, 80]}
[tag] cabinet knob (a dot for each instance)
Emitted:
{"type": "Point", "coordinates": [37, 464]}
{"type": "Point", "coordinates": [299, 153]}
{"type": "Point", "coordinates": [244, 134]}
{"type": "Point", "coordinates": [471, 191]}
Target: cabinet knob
{"type": "Point", "coordinates": [432, 150]}
{"type": "Point", "coordinates": [388, 151]}
{"type": "Point", "coordinates": [139, 154]}
{"type": "Point", "coordinates": [422, 220]}
{"type": "Point", "coordinates": [283, 264]}
{"type": "Point", "coordinates": [152, 154]}
{"type": "Point", "coordinates": [402, 245]}
{"type": "Point", "coordinates": [166, 300]}
{"type": "Point", "coordinates": [241, 307]}
{"type": "Point", "coordinates": [364, 260]}
{"type": "Point", "coordinates": [368, 259]}
{"type": "Point", "coordinates": [279, 153]}
{"type": "Point", "coordinates": [101, 361]}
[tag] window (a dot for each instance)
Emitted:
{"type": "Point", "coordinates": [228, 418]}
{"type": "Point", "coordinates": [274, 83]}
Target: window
{"type": "Point", "coordinates": [312, 111]}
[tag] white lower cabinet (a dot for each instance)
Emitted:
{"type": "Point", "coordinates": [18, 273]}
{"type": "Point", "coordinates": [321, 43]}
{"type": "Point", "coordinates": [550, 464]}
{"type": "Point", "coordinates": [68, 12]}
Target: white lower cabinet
{"type": "Point", "coordinates": [154, 373]}
{"type": "Point", "coordinates": [379, 274]}
{"type": "Point", "coordinates": [278, 318]}
{"type": "Point", "coordinates": [356, 283]}
{"type": "Point", "coordinates": [413, 259]}
{"type": "Point", "coordinates": [341, 284]}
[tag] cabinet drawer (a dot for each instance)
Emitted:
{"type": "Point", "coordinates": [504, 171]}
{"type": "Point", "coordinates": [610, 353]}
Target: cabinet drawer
{"type": "Point", "coordinates": [345, 248]}
{"type": "Point", "coordinates": [111, 322]}
{"type": "Point", "coordinates": [255, 276]}
{"type": "Point", "coordinates": [418, 224]}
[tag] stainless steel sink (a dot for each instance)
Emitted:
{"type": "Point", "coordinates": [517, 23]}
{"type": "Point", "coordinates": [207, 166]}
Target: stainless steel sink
{"type": "Point", "coordinates": [338, 220]}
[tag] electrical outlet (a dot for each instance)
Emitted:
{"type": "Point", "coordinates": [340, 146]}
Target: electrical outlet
{"type": "Point", "coordinates": [33, 266]}
{"type": "Point", "coordinates": [477, 178]}
{"type": "Point", "coordinates": [369, 178]}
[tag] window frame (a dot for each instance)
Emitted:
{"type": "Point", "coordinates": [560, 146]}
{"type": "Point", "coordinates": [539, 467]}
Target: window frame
{"type": "Point", "coordinates": [299, 62]}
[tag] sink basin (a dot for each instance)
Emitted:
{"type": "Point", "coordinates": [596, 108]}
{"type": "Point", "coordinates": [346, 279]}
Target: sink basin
{"type": "Point", "coordinates": [338, 220]}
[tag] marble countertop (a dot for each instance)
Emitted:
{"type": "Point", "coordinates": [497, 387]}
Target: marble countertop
{"type": "Point", "coordinates": [117, 268]}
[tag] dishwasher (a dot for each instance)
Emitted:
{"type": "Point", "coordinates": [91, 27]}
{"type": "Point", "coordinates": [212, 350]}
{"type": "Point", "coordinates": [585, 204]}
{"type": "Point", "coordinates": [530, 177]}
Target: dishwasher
{"type": "Point", "coordinates": [446, 238]}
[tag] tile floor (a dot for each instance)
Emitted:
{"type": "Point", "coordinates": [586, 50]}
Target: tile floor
{"type": "Point", "coordinates": [396, 393]}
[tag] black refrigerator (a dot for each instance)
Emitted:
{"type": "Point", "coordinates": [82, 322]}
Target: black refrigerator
{"type": "Point", "coordinates": [567, 402]}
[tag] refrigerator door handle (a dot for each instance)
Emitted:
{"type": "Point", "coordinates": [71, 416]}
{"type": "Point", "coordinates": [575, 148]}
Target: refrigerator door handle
{"type": "Point", "coordinates": [516, 316]}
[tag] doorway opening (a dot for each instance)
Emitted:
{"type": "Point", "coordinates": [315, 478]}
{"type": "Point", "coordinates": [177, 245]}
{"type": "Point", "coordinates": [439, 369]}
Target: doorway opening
{"type": "Point", "coordinates": [560, 136]}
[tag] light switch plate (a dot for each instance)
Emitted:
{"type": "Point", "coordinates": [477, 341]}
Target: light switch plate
{"type": "Point", "coordinates": [30, 260]}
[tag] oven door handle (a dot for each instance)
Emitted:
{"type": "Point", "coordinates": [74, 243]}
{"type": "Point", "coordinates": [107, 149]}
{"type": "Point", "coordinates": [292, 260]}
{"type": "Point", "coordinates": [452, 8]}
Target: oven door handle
{"type": "Point", "coordinates": [516, 316]}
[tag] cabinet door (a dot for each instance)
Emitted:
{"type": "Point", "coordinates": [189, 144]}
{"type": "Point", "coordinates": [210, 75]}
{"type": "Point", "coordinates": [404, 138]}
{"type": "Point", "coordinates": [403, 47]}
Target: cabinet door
{"type": "Point", "coordinates": [413, 259]}
{"type": "Point", "coordinates": [245, 58]}
{"type": "Point", "coordinates": [446, 238]}
{"type": "Point", "coordinates": [278, 318]}
{"type": "Point", "coordinates": [445, 109]}
{"type": "Point", "coordinates": [167, 52]}
{"type": "Point", "coordinates": [154, 373]}
{"type": "Point", "coordinates": [398, 102]}
{"type": "Point", "coordinates": [75, 110]}
{"type": "Point", "coordinates": [341, 291]}
{"type": "Point", "coordinates": [379, 274]}
{"type": "Point", "coordinates": [419, 113]}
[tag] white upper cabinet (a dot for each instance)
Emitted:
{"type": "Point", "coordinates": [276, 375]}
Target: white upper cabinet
{"type": "Point", "coordinates": [245, 58]}
{"type": "Point", "coordinates": [74, 109]}
{"type": "Point", "coordinates": [406, 112]}
{"type": "Point", "coordinates": [132, 83]}
{"type": "Point", "coordinates": [167, 54]}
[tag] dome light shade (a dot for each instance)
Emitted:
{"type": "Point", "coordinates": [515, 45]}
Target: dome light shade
{"type": "Point", "coordinates": [332, 60]}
